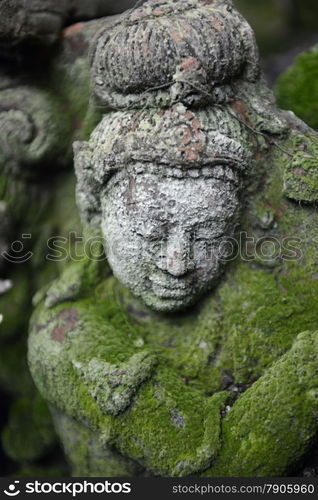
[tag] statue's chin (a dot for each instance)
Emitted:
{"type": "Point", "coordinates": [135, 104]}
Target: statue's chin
{"type": "Point", "coordinates": [178, 298]}
{"type": "Point", "coordinates": [172, 299]}
{"type": "Point", "coordinates": [168, 304]}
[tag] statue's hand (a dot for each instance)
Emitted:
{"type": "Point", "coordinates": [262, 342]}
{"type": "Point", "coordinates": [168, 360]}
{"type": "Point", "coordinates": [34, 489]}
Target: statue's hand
{"type": "Point", "coordinates": [69, 286]}
{"type": "Point", "coordinates": [113, 386]}
{"type": "Point", "coordinates": [65, 288]}
{"type": "Point", "coordinates": [204, 455]}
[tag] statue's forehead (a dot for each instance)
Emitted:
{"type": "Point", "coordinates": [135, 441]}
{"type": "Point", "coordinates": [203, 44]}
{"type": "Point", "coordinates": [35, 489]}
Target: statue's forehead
{"type": "Point", "coordinates": [161, 196]}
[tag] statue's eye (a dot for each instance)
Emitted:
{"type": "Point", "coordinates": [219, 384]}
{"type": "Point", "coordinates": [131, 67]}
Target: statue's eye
{"type": "Point", "coordinates": [152, 232]}
{"type": "Point", "coordinates": [207, 234]}
{"type": "Point", "coordinates": [202, 235]}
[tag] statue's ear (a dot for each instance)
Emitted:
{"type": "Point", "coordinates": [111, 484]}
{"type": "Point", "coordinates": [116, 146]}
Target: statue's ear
{"type": "Point", "coordinates": [87, 189]}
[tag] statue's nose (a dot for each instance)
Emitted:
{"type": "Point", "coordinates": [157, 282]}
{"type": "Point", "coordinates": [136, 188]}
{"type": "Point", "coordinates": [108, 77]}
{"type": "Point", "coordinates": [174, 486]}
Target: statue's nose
{"type": "Point", "coordinates": [175, 255]}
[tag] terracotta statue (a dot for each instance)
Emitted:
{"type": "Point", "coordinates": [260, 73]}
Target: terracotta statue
{"type": "Point", "coordinates": [192, 348]}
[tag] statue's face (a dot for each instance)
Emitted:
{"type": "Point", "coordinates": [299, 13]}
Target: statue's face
{"type": "Point", "coordinates": [164, 235]}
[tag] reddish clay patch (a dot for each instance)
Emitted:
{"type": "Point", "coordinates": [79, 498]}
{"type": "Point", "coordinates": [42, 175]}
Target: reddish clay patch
{"type": "Point", "coordinates": [70, 320]}
{"type": "Point", "coordinates": [240, 108]}
{"type": "Point", "coordinates": [192, 139]}
{"type": "Point", "coordinates": [191, 155]}
{"type": "Point", "coordinates": [190, 63]}
{"type": "Point", "coordinates": [188, 115]}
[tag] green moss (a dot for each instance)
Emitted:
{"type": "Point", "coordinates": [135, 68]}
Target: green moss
{"type": "Point", "coordinates": [112, 386]}
{"type": "Point", "coordinates": [29, 433]}
{"type": "Point", "coordinates": [297, 88]}
{"type": "Point", "coordinates": [169, 428]}
{"type": "Point", "coordinates": [276, 420]}
{"type": "Point", "coordinates": [300, 171]}
{"type": "Point", "coordinates": [262, 323]}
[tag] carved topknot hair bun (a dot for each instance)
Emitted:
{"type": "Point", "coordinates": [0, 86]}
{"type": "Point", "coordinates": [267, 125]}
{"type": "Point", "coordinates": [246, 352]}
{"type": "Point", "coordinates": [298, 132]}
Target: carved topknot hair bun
{"type": "Point", "coordinates": [173, 50]}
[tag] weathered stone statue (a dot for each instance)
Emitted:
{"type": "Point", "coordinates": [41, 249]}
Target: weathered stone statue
{"type": "Point", "coordinates": [195, 351]}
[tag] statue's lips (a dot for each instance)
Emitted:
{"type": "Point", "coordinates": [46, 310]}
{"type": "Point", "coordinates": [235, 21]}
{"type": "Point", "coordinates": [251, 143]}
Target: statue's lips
{"type": "Point", "coordinates": [176, 290]}
{"type": "Point", "coordinates": [165, 293]}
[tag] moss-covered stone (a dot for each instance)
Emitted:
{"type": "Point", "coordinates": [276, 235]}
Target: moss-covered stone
{"type": "Point", "coordinates": [240, 357]}
{"type": "Point", "coordinates": [276, 420]}
{"type": "Point", "coordinates": [301, 172]}
{"type": "Point", "coordinates": [297, 88]}
{"type": "Point", "coordinates": [35, 132]}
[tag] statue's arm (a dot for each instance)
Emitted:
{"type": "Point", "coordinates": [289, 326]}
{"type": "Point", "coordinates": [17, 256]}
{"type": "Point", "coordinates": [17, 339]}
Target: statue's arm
{"type": "Point", "coordinates": [80, 363]}
{"type": "Point", "coordinates": [272, 425]}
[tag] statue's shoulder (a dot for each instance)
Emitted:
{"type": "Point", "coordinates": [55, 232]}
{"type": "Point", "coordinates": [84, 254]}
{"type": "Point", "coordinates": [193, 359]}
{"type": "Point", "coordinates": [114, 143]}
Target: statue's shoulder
{"type": "Point", "coordinates": [60, 305]}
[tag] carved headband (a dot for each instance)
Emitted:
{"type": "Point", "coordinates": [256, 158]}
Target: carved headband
{"type": "Point", "coordinates": [175, 136]}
